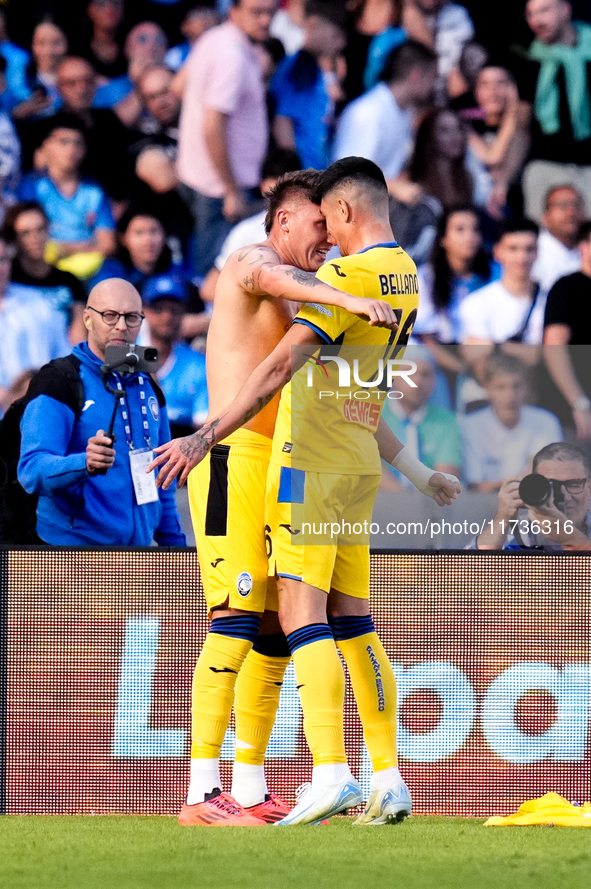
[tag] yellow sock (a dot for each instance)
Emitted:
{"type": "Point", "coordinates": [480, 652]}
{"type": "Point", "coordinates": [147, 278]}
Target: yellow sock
{"type": "Point", "coordinates": [255, 706]}
{"type": "Point", "coordinates": [321, 684]}
{"type": "Point", "coordinates": [212, 693]}
{"type": "Point", "coordinates": [374, 687]}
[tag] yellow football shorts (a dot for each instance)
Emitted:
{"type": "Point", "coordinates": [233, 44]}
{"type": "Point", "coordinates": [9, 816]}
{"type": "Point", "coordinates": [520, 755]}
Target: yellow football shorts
{"type": "Point", "coordinates": [319, 524]}
{"type": "Point", "coordinates": [227, 502]}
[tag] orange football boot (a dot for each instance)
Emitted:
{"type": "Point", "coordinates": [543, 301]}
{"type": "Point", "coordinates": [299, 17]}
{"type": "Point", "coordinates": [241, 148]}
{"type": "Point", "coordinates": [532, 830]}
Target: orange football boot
{"type": "Point", "coordinates": [219, 810]}
{"type": "Point", "coordinates": [272, 809]}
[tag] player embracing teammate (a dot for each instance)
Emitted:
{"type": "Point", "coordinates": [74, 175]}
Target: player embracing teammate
{"type": "Point", "coordinates": [325, 468]}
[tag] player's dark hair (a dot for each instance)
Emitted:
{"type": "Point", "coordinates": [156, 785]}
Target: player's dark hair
{"type": "Point", "coordinates": [562, 450]}
{"type": "Point", "coordinates": [13, 213]}
{"type": "Point", "coordinates": [442, 272]}
{"type": "Point", "coordinates": [517, 225]}
{"type": "Point", "coordinates": [502, 363]}
{"type": "Point", "coordinates": [330, 10]}
{"type": "Point", "coordinates": [350, 171]}
{"type": "Point", "coordinates": [584, 232]}
{"type": "Point", "coordinates": [301, 183]}
{"type": "Point", "coordinates": [403, 58]}
{"type": "Point", "coordinates": [280, 161]}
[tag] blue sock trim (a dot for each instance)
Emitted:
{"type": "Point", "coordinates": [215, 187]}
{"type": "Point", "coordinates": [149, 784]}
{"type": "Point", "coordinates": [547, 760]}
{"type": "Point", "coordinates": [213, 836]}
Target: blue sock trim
{"type": "Point", "coordinates": [307, 635]}
{"type": "Point", "coordinates": [244, 626]}
{"type": "Point", "coordinates": [349, 627]}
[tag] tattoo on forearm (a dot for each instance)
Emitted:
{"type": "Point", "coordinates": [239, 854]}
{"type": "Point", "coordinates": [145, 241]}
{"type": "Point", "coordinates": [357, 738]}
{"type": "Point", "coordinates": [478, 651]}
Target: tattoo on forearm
{"type": "Point", "coordinates": [308, 279]}
{"type": "Point", "coordinates": [260, 404]}
{"type": "Point", "coordinates": [196, 446]}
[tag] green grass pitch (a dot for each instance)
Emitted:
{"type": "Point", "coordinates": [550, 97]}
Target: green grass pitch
{"type": "Point", "coordinates": [155, 853]}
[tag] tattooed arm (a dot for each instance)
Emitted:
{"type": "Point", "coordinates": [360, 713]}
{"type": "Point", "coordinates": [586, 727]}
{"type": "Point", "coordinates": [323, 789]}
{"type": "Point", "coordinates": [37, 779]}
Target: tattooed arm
{"type": "Point", "coordinates": [180, 456]}
{"type": "Point", "coordinates": [261, 274]}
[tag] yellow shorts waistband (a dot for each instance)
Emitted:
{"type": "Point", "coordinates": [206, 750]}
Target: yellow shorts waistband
{"type": "Point", "coordinates": [247, 439]}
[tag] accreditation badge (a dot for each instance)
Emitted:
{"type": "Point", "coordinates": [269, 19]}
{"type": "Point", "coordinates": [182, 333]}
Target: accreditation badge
{"type": "Point", "coordinates": [144, 485]}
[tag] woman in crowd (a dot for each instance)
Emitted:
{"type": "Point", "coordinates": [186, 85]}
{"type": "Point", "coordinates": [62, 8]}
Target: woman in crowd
{"type": "Point", "coordinates": [49, 45]}
{"type": "Point", "coordinates": [442, 165]}
{"type": "Point", "coordinates": [499, 135]}
{"type": "Point", "coordinates": [143, 253]}
{"type": "Point", "coordinates": [458, 266]}
{"type": "Point", "coordinates": [142, 250]}
{"type": "Point", "coordinates": [102, 37]}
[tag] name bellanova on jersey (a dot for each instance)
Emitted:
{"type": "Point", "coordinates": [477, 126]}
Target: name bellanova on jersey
{"type": "Point", "coordinates": [326, 427]}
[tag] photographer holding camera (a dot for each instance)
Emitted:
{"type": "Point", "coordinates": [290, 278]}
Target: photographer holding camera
{"type": "Point", "coordinates": [91, 484]}
{"type": "Point", "coordinates": [549, 509]}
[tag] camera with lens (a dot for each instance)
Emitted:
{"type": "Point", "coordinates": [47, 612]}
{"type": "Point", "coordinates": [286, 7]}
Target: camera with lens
{"type": "Point", "coordinates": [536, 490]}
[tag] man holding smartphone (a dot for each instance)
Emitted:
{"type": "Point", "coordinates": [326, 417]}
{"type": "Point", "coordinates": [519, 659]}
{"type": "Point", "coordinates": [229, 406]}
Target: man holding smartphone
{"type": "Point", "coordinates": [92, 488]}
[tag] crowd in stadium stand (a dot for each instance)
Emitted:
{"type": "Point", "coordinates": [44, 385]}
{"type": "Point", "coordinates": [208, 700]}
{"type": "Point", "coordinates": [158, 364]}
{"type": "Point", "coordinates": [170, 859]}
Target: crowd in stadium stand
{"type": "Point", "coordinates": [138, 137]}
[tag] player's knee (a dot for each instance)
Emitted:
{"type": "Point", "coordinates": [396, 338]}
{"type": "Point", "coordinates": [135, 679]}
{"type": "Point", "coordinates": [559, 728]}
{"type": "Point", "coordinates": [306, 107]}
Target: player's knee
{"type": "Point", "coordinates": [270, 623]}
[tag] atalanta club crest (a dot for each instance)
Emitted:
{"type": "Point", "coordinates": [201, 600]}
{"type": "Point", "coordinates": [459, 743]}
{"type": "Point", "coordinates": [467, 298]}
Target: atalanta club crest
{"type": "Point", "coordinates": [244, 584]}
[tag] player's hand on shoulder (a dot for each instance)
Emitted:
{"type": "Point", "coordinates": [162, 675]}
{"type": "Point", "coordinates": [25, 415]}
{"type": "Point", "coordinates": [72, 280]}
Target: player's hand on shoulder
{"type": "Point", "coordinates": [378, 312]}
{"type": "Point", "coordinates": [100, 455]}
{"type": "Point", "coordinates": [446, 488]}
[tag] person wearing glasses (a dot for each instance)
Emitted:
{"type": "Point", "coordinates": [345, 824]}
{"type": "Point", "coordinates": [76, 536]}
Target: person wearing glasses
{"type": "Point", "coordinates": [93, 489]}
{"type": "Point", "coordinates": [562, 523]}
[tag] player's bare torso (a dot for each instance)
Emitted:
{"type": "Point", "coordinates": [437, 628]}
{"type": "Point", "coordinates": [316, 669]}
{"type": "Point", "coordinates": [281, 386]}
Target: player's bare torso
{"type": "Point", "coordinates": [245, 328]}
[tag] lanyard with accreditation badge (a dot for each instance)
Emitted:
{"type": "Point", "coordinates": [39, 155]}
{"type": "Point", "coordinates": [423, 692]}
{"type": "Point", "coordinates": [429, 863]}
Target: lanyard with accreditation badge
{"type": "Point", "coordinates": [144, 485]}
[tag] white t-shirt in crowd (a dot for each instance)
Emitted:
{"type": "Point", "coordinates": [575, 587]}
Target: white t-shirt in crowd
{"type": "Point", "coordinates": [493, 452]}
{"type": "Point", "coordinates": [32, 333]}
{"type": "Point", "coordinates": [248, 231]}
{"type": "Point", "coordinates": [554, 261]}
{"type": "Point", "coordinates": [286, 30]}
{"type": "Point", "coordinates": [376, 127]}
{"type": "Point", "coordinates": [495, 315]}
{"type": "Point", "coordinates": [453, 27]}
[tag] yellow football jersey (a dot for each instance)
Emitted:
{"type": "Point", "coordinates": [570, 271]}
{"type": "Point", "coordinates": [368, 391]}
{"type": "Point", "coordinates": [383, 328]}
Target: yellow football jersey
{"type": "Point", "coordinates": [330, 410]}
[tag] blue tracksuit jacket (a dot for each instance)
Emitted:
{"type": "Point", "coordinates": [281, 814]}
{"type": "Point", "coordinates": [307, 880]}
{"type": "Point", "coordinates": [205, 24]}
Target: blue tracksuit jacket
{"type": "Point", "coordinates": [75, 508]}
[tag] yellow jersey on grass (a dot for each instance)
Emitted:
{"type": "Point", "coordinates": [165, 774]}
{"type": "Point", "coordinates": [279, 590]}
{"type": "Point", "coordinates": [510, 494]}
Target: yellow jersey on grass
{"type": "Point", "coordinates": [330, 410]}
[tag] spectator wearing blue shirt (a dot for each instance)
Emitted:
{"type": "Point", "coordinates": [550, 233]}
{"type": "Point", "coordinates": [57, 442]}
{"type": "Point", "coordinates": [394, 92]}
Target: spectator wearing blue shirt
{"type": "Point", "coordinates": [80, 219]}
{"type": "Point", "coordinates": [17, 60]}
{"type": "Point", "coordinates": [380, 48]}
{"type": "Point", "coordinates": [182, 369]}
{"type": "Point", "coordinates": [305, 87]}
{"type": "Point", "coordinates": [10, 150]}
